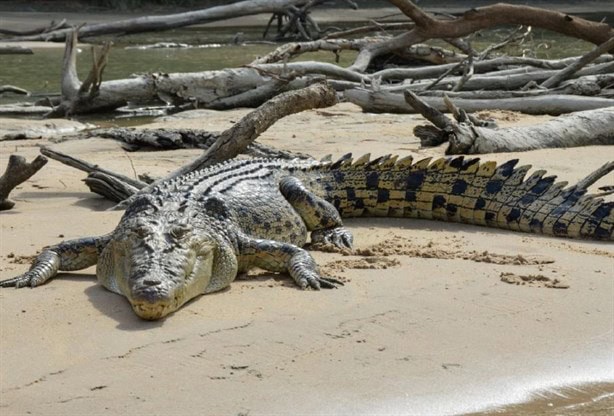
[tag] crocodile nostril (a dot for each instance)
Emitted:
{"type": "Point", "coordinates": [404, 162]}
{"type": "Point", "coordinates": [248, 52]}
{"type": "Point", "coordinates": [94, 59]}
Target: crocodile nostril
{"type": "Point", "coordinates": [151, 282]}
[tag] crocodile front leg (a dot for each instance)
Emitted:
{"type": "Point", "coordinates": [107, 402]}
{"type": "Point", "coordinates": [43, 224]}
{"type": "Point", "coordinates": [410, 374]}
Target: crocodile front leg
{"type": "Point", "coordinates": [68, 255]}
{"type": "Point", "coordinates": [283, 257]}
{"type": "Point", "coordinates": [319, 215]}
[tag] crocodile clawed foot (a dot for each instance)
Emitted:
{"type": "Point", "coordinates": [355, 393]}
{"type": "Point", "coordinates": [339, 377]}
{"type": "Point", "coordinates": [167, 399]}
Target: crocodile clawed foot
{"type": "Point", "coordinates": [316, 282]}
{"type": "Point", "coordinates": [338, 237]}
{"type": "Point", "coordinates": [23, 280]}
{"type": "Point", "coordinates": [44, 268]}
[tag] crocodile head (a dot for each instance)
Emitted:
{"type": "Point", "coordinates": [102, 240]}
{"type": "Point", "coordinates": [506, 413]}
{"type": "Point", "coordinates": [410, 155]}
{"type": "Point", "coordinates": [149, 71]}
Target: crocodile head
{"type": "Point", "coordinates": [158, 263]}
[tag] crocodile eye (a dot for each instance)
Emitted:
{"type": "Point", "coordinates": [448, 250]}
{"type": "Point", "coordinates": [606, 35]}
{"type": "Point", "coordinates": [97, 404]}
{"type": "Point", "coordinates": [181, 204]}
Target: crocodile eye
{"type": "Point", "coordinates": [141, 231]}
{"type": "Point", "coordinates": [179, 231]}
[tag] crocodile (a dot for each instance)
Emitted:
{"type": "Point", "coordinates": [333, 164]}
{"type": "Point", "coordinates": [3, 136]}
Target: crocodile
{"type": "Point", "coordinates": [192, 235]}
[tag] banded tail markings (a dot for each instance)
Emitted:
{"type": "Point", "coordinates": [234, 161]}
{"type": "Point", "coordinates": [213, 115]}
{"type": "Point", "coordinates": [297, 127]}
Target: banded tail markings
{"type": "Point", "coordinates": [515, 196]}
{"type": "Point", "coordinates": [491, 191]}
{"type": "Point", "coordinates": [429, 196]}
{"type": "Point", "coordinates": [571, 217]}
{"type": "Point", "coordinates": [472, 208]}
{"type": "Point", "coordinates": [540, 208]}
{"type": "Point", "coordinates": [551, 222]}
{"type": "Point", "coordinates": [600, 223]}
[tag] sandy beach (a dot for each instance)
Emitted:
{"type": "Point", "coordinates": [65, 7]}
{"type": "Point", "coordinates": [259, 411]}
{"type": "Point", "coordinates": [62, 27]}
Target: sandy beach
{"type": "Point", "coordinates": [424, 325]}
{"type": "Point", "coordinates": [434, 318]}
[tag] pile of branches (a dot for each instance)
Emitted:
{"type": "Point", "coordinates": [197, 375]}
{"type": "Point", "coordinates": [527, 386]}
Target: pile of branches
{"type": "Point", "coordinates": [390, 59]}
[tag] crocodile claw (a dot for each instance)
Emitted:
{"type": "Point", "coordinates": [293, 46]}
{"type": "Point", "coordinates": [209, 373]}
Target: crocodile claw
{"type": "Point", "coordinates": [316, 282]}
{"type": "Point", "coordinates": [339, 237]}
{"type": "Point", "coordinates": [44, 268]}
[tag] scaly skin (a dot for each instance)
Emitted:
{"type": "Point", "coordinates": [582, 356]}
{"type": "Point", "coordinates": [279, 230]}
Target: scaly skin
{"type": "Point", "coordinates": [194, 234]}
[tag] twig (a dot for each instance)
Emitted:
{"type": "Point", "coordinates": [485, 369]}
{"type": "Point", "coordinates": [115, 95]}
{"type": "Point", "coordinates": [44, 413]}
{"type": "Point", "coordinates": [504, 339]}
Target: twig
{"type": "Point", "coordinates": [88, 167]}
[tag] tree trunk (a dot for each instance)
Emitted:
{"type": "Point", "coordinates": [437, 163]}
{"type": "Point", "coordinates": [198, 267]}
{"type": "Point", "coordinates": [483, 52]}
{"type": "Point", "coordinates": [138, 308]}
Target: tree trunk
{"type": "Point", "coordinates": [553, 104]}
{"type": "Point", "coordinates": [594, 127]}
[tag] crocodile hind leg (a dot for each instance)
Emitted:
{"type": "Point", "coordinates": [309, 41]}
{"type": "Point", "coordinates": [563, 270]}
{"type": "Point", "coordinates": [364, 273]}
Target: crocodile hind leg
{"type": "Point", "coordinates": [319, 215]}
{"type": "Point", "coordinates": [283, 257]}
{"type": "Point", "coordinates": [68, 255]}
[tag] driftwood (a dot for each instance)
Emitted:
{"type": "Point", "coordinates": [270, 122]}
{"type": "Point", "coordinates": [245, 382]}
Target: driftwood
{"type": "Point", "coordinates": [13, 90]}
{"type": "Point", "coordinates": [236, 139]}
{"type": "Point", "coordinates": [166, 22]}
{"type": "Point", "coordinates": [111, 185]}
{"type": "Point", "coordinates": [575, 67]}
{"type": "Point", "coordinates": [496, 81]}
{"type": "Point", "coordinates": [15, 50]}
{"type": "Point", "coordinates": [17, 171]}
{"type": "Point", "coordinates": [169, 139]}
{"type": "Point", "coordinates": [253, 85]}
{"type": "Point", "coordinates": [228, 88]}
{"type": "Point", "coordinates": [428, 27]}
{"type": "Point", "coordinates": [228, 144]}
{"type": "Point", "coordinates": [553, 104]}
{"type": "Point", "coordinates": [595, 127]}
{"type": "Point", "coordinates": [45, 29]}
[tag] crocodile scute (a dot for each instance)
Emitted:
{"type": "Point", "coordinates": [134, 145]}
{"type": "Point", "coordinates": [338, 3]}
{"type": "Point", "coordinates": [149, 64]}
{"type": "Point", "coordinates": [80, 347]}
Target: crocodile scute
{"type": "Point", "coordinates": [194, 234]}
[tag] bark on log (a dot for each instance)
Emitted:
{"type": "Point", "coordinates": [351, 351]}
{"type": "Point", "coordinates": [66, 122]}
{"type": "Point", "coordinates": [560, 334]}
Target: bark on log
{"type": "Point", "coordinates": [17, 171]}
{"type": "Point", "coordinates": [553, 104]}
{"type": "Point", "coordinates": [595, 127]}
{"type": "Point", "coordinates": [166, 22]}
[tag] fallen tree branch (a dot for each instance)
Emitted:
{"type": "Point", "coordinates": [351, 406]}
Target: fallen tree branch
{"type": "Point", "coordinates": [236, 139]}
{"type": "Point", "coordinates": [166, 22]}
{"type": "Point", "coordinates": [45, 29]}
{"type": "Point", "coordinates": [553, 104]}
{"type": "Point", "coordinates": [595, 127]}
{"type": "Point", "coordinates": [17, 171]}
{"type": "Point", "coordinates": [587, 58]}
{"type": "Point", "coordinates": [13, 89]}
{"type": "Point", "coordinates": [88, 167]}
{"type": "Point", "coordinates": [473, 20]}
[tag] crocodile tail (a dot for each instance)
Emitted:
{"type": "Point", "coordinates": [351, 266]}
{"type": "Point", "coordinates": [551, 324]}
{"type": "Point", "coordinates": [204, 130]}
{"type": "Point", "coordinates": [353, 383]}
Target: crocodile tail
{"type": "Point", "coordinates": [468, 191]}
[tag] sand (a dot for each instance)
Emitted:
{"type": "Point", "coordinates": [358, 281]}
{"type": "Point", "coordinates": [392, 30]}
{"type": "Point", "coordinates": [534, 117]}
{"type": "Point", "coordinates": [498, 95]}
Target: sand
{"type": "Point", "coordinates": [434, 318]}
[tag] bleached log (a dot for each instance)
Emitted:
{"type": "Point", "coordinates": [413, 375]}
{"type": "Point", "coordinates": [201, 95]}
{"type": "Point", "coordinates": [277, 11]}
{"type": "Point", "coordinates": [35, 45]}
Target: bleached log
{"type": "Point", "coordinates": [170, 21]}
{"type": "Point", "coordinates": [594, 127]}
{"type": "Point", "coordinates": [553, 104]}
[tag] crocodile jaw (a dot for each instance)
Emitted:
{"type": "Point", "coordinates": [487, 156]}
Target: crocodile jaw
{"type": "Point", "coordinates": [156, 302]}
{"type": "Point", "coordinates": [156, 284]}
